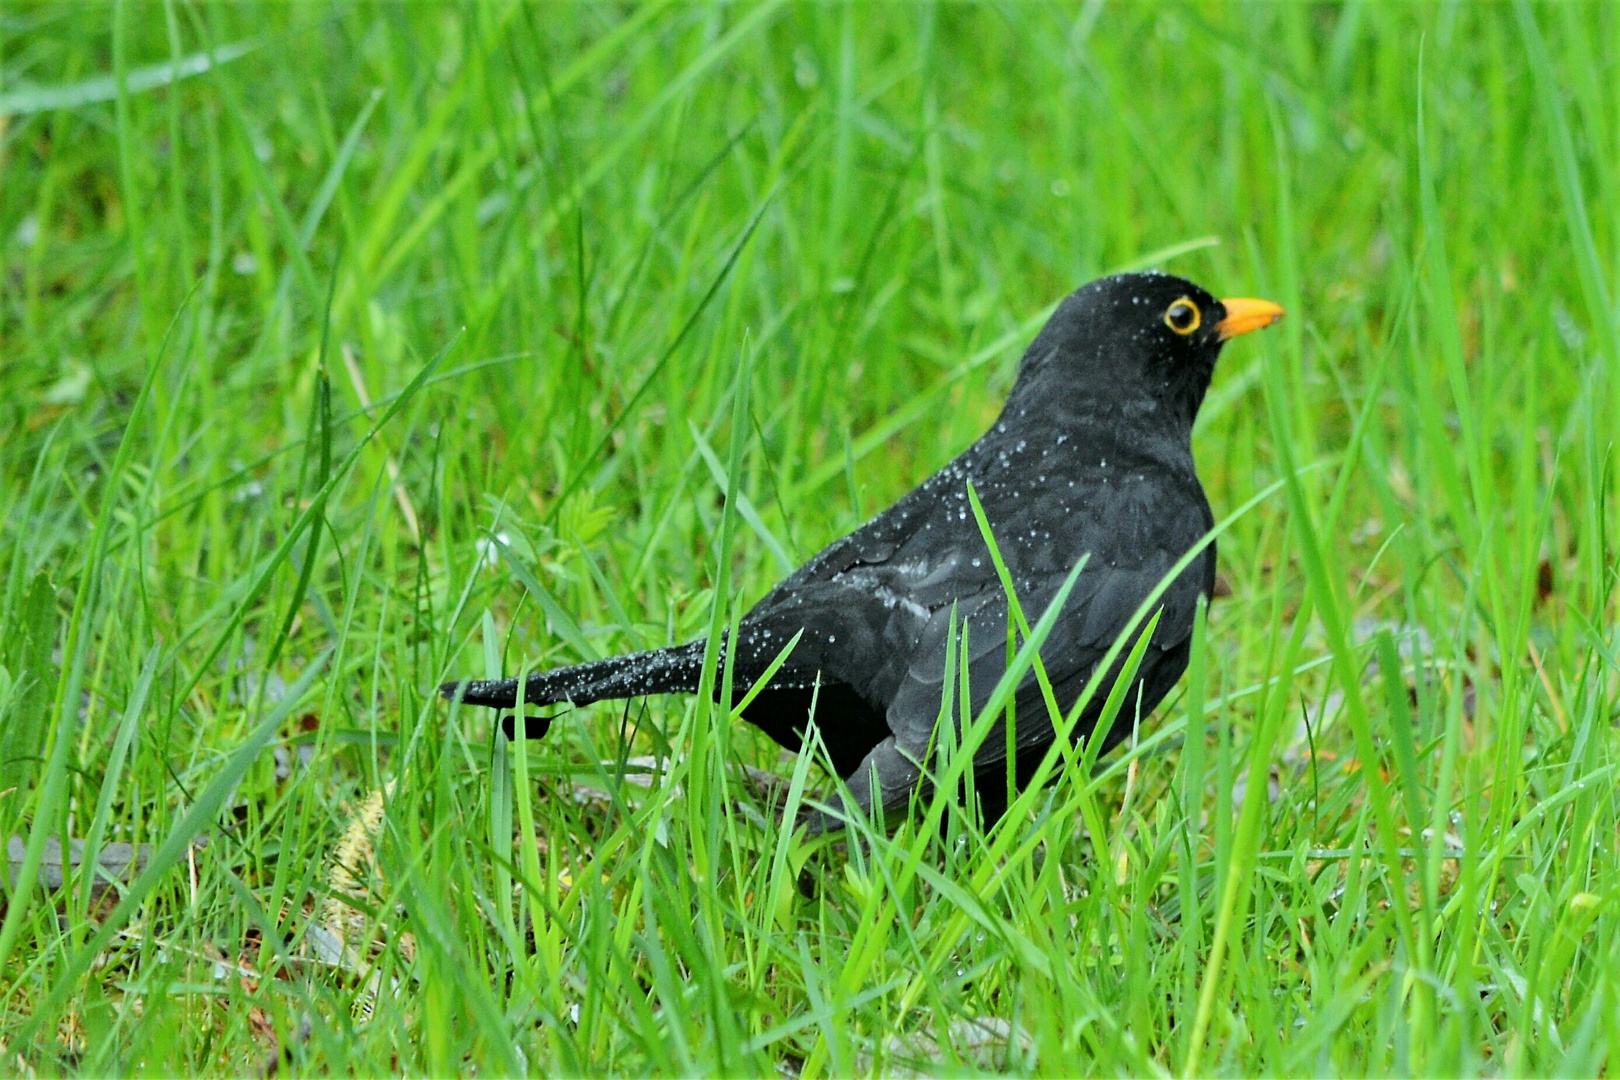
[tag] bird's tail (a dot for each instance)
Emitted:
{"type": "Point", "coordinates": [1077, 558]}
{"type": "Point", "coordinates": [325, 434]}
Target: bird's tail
{"type": "Point", "coordinates": [673, 670]}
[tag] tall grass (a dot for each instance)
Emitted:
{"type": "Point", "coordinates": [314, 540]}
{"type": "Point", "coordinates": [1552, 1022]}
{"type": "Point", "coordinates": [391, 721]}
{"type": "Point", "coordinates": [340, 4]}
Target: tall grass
{"type": "Point", "coordinates": [346, 350]}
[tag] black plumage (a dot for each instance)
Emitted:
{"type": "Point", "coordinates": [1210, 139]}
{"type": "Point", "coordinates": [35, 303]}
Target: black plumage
{"type": "Point", "coordinates": [1091, 456]}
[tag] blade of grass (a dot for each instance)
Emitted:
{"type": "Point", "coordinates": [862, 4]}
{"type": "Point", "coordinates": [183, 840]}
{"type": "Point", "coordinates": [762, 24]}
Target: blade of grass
{"type": "Point", "coordinates": [26, 99]}
{"type": "Point", "coordinates": [202, 812]}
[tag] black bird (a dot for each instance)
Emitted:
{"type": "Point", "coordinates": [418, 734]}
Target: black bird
{"type": "Point", "coordinates": [1091, 456]}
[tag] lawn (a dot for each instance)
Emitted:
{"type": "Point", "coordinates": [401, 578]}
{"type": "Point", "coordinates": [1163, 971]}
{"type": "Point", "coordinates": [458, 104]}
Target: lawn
{"type": "Point", "coordinates": [350, 348]}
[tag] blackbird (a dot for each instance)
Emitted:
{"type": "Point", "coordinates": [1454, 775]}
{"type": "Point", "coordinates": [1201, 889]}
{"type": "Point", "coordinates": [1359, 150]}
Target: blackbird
{"type": "Point", "coordinates": [1091, 456]}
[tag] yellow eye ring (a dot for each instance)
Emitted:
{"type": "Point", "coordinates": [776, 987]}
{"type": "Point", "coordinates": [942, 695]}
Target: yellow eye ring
{"type": "Point", "coordinates": [1183, 316]}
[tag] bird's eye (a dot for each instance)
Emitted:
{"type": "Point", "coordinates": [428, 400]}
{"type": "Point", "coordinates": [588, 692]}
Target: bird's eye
{"type": "Point", "coordinates": [1183, 316]}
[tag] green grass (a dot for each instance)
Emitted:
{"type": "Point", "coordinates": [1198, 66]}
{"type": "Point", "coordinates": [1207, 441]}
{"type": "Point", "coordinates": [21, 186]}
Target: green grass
{"type": "Point", "coordinates": [287, 341]}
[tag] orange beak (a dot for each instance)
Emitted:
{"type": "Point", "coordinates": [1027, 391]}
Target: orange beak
{"type": "Point", "coordinates": [1243, 315]}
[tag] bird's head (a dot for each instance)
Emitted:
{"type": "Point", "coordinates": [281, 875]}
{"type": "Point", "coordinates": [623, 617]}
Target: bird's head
{"type": "Point", "coordinates": [1148, 339]}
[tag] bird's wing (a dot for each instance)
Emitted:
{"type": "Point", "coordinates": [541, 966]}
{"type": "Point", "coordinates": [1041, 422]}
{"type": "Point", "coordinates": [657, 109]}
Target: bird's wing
{"type": "Point", "coordinates": [1095, 613]}
{"type": "Point", "coordinates": [865, 599]}
{"type": "Point", "coordinates": [861, 617]}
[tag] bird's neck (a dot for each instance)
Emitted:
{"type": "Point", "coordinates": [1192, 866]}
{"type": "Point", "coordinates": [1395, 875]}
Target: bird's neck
{"type": "Point", "coordinates": [1140, 423]}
